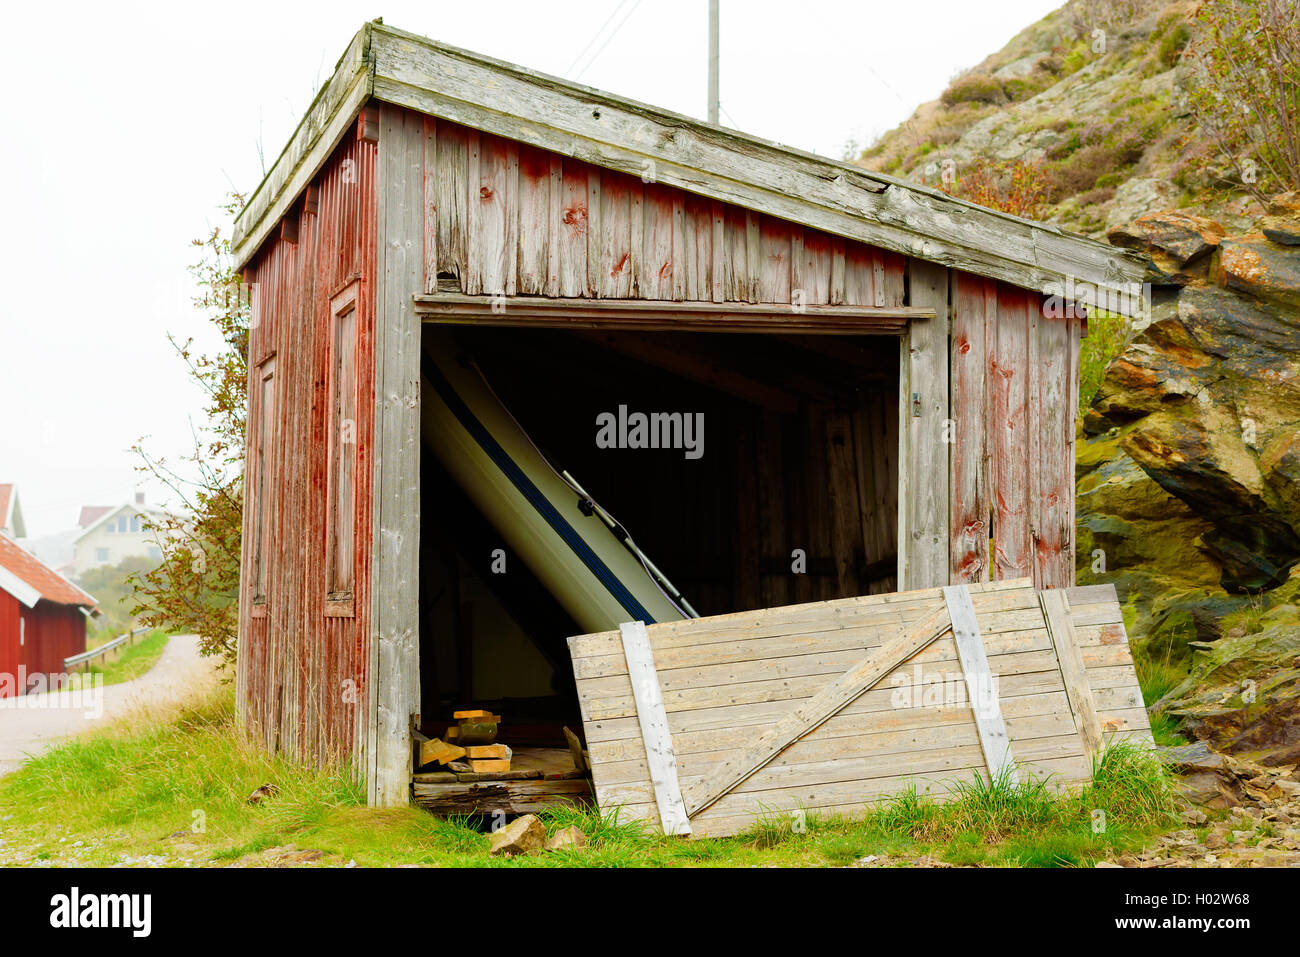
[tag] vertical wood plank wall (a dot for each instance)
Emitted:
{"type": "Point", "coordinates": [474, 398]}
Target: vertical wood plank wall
{"type": "Point", "coordinates": [394, 687]}
{"type": "Point", "coordinates": [504, 218]}
{"type": "Point", "coordinates": [1014, 394]}
{"type": "Point", "coordinates": [51, 633]}
{"type": "Point", "coordinates": [37, 639]}
{"type": "Point", "coordinates": [302, 676]}
{"type": "Point", "coordinates": [10, 650]}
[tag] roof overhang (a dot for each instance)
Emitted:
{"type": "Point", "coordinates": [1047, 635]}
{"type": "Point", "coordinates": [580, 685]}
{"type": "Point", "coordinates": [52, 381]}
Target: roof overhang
{"type": "Point", "coordinates": [15, 586]}
{"type": "Point", "coordinates": [511, 101]}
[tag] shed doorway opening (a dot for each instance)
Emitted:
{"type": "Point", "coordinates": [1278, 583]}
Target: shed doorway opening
{"type": "Point", "coordinates": [769, 477]}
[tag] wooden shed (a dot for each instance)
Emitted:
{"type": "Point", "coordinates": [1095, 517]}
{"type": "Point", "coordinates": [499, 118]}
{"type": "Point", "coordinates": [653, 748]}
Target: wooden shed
{"type": "Point", "coordinates": [42, 620]}
{"type": "Point", "coordinates": [888, 378]}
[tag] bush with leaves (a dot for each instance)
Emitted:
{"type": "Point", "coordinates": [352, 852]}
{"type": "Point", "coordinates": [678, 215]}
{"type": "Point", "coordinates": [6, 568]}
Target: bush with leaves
{"type": "Point", "coordinates": [195, 589]}
{"type": "Point", "coordinates": [1244, 89]}
{"type": "Point", "coordinates": [1015, 187]}
{"type": "Point", "coordinates": [112, 587]}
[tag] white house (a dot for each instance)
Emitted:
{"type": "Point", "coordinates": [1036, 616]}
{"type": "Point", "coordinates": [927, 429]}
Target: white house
{"type": "Point", "coordinates": [11, 513]}
{"type": "Point", "coordinates": [118, 532]}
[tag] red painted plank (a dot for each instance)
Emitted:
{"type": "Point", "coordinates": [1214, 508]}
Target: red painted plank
{"type": "Point", "coordinates": [970, 502]}
{"type": "Point", "coordinates": [534, 220]}
{"type": "Point", "coordinates": [657, 269]}
{"type": "Point", "coordinates": [295, 664]}
{"type": "Point", "coordinates": [1008, 440]}
{"type": "Point", "coordinates": [1052, 421]}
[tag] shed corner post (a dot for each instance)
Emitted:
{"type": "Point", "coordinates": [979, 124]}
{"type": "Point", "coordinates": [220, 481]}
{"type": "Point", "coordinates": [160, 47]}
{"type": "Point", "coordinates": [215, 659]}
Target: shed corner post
{"type": "Point", "coordinates": [392, 697]}
{"type": "Point", "coordinates": [924, 466]}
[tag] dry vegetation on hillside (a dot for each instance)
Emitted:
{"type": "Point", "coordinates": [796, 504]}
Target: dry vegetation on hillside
{"type": "Point", "coordinates": [1083, 119]}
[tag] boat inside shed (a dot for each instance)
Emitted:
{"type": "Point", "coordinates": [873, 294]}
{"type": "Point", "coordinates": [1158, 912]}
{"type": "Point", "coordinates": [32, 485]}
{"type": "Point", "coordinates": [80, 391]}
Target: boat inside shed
{"type": "Point", "coordinates": [789, 496]}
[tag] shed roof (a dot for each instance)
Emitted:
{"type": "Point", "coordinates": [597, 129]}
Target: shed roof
{"type": "Point", "coordinates": [407, 70]}
{"type": "Point", "coordinates": [28, 579]}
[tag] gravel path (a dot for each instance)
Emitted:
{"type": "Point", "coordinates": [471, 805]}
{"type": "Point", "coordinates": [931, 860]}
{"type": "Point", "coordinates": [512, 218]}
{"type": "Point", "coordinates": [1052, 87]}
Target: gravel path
{"type": "Point", "coordinates": [27, 730]}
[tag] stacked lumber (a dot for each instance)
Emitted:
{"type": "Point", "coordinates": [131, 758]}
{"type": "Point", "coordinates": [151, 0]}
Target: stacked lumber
{"type": "Point", "coordinates": [543, 778]}
{"type": "Point", "coordinates": [478, 774]}
{"type": "Point", "coordinates": [475, 735]}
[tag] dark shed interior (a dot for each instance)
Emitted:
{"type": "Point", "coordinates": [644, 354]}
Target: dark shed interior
{"type": "Point", "coordinates": [793, 497]}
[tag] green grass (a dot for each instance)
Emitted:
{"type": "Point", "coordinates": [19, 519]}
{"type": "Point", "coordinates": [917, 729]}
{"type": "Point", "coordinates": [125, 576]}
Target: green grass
{"type": "Point", "coordinates": [133, 660]}
{"type": "Point", "coordinates": [1157, 676]}
{"type": "Point", "coordinates": [1107, 336]}
{"type": "Point", "coordinates": [172, 786]}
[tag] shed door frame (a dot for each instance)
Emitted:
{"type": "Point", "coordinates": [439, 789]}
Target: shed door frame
{"type": "Point", "coordinates": [922, 329]}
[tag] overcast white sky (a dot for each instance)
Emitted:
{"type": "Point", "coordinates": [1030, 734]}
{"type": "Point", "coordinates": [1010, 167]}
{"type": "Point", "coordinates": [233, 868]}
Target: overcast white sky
{"type": "Point", "coordinates": [126, 125]}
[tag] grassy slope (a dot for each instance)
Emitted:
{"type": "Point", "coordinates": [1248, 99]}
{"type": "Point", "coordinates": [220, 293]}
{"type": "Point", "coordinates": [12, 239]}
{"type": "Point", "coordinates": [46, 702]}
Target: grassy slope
{"type": "Point", "coordinates": [1092, 121]}
{"type": "Point", "coordinates": [170, 788]}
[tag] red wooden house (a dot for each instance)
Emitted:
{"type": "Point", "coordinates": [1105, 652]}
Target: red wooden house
{"type": "Point", "coordinates": [42, 619]}
{"type": "Point", "coordinates": [893, 397]}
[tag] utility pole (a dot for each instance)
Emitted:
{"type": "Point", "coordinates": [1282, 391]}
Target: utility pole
{"type": "Point", "coordinates": [713, 62]}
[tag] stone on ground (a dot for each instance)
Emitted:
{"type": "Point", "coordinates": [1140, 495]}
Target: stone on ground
{"type": "Point", "coordinates": [523, 835]}
{"type": "Point", "coordinates": [570, 838]}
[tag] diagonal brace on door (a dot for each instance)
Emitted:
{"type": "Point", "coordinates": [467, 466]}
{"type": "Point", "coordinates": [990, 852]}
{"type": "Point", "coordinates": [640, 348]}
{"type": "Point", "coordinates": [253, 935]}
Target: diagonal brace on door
{"type": "Point", "coordinates": [814, 712]}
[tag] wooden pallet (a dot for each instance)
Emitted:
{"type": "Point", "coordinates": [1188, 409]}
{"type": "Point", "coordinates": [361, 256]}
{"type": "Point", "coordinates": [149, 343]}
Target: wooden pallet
{"type": "Point", "coordinates": [703, 726]}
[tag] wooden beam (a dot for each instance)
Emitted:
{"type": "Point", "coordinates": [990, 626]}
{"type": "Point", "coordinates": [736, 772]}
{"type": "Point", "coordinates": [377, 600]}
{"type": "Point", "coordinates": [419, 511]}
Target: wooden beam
{"type": "Point", "coordinates": [540, 312]}
{"type": "Point", "coordinates": [508, 797]}
{"type": "Point", "coordinates": [434, 749]}
{"type": "Point", "coordinates": [924, 435]}
{"type": "Point", "coordinates": [654, 727]}
{"type": "Point", "coordinates": [392, 683]}
{"type": "Point", "coordinates": [368, 123]}
{"type": "Point", "coordinates": [696, 368]}
{"type": "Point", "coordinates": [575, 751]}
{"type": "Point", "coordinates": [979, 684]}
{"type": "Point", "coordinates": [815, 711]}
{"type": "Point", "coordinates": [1060, 627]}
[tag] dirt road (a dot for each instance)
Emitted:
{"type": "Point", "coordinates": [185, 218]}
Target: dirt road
{"type": "Point", "coordinates": [26, 730]}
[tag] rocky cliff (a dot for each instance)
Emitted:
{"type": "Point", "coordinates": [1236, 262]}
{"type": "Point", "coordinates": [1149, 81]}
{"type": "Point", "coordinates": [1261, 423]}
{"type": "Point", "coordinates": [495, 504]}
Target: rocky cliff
{"type": "Point", "coordinates": [1189, 477]}
{"type": "Point", "coordinates": [1189, 455]}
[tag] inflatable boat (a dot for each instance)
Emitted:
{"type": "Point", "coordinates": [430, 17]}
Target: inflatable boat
{"type": "Point", "coordinates": [578, 551]}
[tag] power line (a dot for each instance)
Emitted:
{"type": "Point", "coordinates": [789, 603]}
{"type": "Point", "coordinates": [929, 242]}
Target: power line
{"type": "Point", "coordinates": [596, 56]}
{"type": "Point", "coordinates": [578, 58]}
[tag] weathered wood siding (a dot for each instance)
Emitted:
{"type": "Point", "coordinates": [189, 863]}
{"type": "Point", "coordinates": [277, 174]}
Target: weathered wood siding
{"type": "Point", "coordinates": [987, 388]}
{"type": "Point", "coordinates": [504, 218]}
{"type": "Point", "coordinates": [1014, 392]}
{"type": "Point", "coordinates": [302, 675]}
